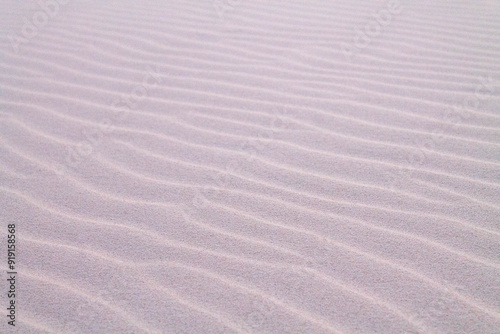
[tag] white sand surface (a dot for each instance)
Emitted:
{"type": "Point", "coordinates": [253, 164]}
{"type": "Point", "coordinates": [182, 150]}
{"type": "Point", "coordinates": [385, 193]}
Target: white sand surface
{"type": "Point", "coordinates": [238, 166]}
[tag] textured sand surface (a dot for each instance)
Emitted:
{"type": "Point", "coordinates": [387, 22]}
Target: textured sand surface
{"type": "Point", "coordinates": [251, 166]}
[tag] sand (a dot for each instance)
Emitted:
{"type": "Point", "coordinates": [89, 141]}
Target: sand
{"type": "Point", "coordinates": [250, 166]}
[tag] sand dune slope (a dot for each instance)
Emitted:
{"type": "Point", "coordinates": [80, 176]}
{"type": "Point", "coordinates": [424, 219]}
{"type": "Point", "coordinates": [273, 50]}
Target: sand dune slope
{"type": "Point", "coordinates": [235, 166]}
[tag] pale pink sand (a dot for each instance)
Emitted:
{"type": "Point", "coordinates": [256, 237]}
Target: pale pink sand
{"type": "Point", "coordinates": [251, 166]}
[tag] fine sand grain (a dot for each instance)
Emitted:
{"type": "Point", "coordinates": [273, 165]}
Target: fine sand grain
{"type": "Point", "coordinates": [237, 166]}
